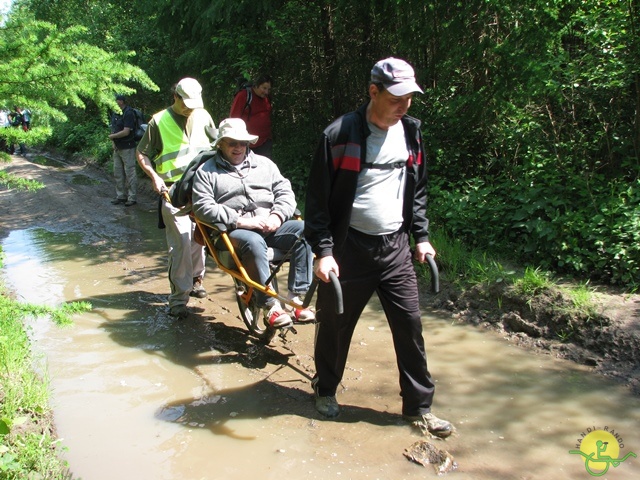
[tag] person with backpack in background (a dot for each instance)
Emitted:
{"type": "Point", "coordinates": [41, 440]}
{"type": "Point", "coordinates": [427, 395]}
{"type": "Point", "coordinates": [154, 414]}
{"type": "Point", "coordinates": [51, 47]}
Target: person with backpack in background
{"type": "Point", "coordinates": [20, 119]}
{"type": "Point", "coordinates": [124, 154]}
{"type": "Point", "coordinates": [26, 119]}
{"type": "Point", "coordinates": [4, 123]}
{"type": "Point", "coordinates": [253, 105]}
{"type": "Point", "coordinates": [174, 137]}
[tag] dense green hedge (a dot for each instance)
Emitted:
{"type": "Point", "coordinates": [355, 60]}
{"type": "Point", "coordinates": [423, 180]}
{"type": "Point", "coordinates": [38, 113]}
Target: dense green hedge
{"type": "Point", "coordinates": [530, 110]}
{"type": "Point", "coordinates": [589, 229]}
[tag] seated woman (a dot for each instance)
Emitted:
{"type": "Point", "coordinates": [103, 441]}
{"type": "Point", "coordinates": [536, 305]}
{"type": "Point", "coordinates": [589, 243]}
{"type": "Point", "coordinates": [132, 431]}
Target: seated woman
{"type": "Point", "coordinates": [247, 193]}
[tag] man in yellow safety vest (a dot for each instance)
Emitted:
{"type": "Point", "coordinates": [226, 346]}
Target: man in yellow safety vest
{"type": "Point", "coordinates": [172, 139]}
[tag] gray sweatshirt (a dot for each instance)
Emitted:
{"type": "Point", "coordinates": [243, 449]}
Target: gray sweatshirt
{"type": "Point", "coordinates": [222, 193]}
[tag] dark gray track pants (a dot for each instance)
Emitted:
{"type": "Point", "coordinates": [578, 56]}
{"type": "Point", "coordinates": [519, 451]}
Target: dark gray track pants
{"type": "Point", "coordinates": [382, 264]}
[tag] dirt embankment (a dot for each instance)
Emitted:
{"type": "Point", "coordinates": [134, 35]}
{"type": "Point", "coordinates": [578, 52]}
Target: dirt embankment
{"type": "Point", "coordinates": [608, 341]}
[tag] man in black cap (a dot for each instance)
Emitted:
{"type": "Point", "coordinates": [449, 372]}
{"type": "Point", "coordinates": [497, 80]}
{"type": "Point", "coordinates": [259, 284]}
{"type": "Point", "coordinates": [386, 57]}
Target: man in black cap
{"type": "Point", "coordinates": [124, 154]}
{"type": "Point", "coordinates": [366, 195]}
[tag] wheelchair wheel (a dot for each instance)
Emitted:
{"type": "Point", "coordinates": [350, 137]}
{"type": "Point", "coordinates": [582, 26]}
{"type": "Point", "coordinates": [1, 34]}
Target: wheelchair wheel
{"type": "Point", "coordinates": [252, 315]}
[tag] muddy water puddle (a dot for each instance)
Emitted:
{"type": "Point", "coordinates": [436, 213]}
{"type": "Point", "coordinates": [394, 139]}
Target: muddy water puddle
{"type": "Point", "coordinates": [137, 395]}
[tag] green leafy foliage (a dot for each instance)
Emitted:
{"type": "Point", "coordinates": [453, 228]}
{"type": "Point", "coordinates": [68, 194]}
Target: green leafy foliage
{"type": "Point", "coordinates": [19, 183]}
{"type": "Point", "coordinates": [584, 227]}
{"type": "Point", "coordinates": [46, 68]}
{"type": "Point", "coordinates": [530, 112]}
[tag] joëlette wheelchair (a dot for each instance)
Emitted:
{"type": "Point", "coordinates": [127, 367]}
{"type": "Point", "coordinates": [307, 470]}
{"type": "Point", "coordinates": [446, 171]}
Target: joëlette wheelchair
{"type": "Point", "coordinates": [245, 288]}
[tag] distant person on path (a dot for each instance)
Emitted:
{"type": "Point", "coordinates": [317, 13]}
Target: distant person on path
{"type": "Point", "coordinates": [366, 195]}
{"type": "Point", "coordinates": [253, 105]}
{"type": "Point", "coordinates": [20, 119]}
{"type": "Point", "coordinates": [247, 193]}
{"type": "Point", "coordinates": [26, 118]}
{"type": "Point", "coordinates": [4, 123]}
{"type": "Point", "coordinates": [124, 154]}
{"type": "Point", "coordinates": [172, 139]}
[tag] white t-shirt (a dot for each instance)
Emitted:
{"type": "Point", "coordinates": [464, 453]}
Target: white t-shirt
{"type": "Point", "coordinates": [4, 119]}
{"type": "Point", "coordinates": [377, 208]}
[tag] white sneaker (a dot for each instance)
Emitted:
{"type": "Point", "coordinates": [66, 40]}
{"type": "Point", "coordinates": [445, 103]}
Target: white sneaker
{"type": "Point", "coordinates": [300, 314]}
{"type": "Point", "coordinates": [276, 317]}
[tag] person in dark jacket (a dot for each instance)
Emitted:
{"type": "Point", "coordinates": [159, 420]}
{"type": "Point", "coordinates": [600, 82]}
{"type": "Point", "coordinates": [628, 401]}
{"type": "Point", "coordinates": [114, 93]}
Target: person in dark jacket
{"type": "Point", "coordinates": [124, 154]}
{"type": "Point", "coordinates": [366, 196]}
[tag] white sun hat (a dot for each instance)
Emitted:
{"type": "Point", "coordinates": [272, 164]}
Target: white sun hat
{"type": "Point", "coordinates": [236, 129]}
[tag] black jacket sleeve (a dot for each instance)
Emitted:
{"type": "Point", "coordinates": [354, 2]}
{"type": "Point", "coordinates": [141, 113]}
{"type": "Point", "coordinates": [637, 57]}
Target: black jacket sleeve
{"type": "Point", "coordinates": [317, 218]}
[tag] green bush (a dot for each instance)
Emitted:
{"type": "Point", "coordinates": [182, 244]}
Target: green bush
{"type": "Point", "coordinates": [587, 227]}
{"type": "Point", "coordinates": [88, 139]}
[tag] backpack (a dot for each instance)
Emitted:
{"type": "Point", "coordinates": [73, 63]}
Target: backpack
{"type": "Point", "coordinates": [243, 84]}
{"type": "Point", "coordinates": [181, 190]}
{"type": "Point", "coordinates": [140, 125]}
{"type": "Point", "coordinates": [16, 119]}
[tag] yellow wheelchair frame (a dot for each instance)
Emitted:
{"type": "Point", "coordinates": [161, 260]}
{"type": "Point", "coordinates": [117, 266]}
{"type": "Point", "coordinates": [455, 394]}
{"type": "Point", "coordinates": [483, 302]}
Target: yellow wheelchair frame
{"type": "Point", "coordinates": [245, 287]}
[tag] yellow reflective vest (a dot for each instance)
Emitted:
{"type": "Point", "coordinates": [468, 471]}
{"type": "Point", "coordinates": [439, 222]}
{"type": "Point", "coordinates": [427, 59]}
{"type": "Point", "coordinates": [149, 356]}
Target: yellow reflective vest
{"type": "Point", "coordinates": [178, 149]}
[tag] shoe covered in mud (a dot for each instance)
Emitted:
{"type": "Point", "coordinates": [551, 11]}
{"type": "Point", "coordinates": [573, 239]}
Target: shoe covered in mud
{"type": "Point", "coordinates": [130, 203]}
{"type": "Point", "coordinates": [198, 290]}
{"type": "Point", "coordinates": [326, 405]}
{"type": "Point", "coordinates": [276, 317]}
{"type": "Point", "coordinates": [428, 422]}
{"type": "Point", "coordinates": [118, 201]}
{"type": "Point", "coordinates": [179, 311]}
{"type": "Point", "coordinates": [299, 314]}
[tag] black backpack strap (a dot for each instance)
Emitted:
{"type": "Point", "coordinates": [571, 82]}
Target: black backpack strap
{"type": "Point", "coordinates": [247, 105]}
{"type": "Point", "coordinates": [181, 191]}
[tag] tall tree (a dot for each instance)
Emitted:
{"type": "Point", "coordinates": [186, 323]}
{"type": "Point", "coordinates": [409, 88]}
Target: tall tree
{"type": "Point", "coordinates": [46, 69]}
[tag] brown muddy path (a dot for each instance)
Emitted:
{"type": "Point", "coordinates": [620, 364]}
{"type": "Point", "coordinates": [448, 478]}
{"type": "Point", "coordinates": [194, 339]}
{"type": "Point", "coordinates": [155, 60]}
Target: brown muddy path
{"type": "Point", "coordinates": [137, 395]}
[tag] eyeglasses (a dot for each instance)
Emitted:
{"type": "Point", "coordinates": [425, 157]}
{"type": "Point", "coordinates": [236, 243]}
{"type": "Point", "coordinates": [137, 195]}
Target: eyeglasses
{"type": "Point", "coordinates": [236, 144]}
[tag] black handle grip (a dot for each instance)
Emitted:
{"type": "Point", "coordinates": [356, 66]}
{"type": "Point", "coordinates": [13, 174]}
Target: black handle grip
{"type": "Point", "coordinates": [435, 276]}
{"type": "Point", "coordinates": [336, 287]}
{"type": "Point", "coordinates": [310, 292]}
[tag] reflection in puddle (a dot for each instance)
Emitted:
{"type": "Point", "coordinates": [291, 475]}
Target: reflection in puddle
{"type": "Point", "coordinates": [47, 161]}
{"type": "Point", "coordinates": [29, 266]}
{"type": "Point", "coordinates": [137, 395]}
{"type": "Point", "coordinates": [84, 180]}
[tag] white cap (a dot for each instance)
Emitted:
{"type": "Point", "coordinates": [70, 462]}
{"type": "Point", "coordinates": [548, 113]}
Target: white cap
{"type": "Point", "coordinates": [191, 92]}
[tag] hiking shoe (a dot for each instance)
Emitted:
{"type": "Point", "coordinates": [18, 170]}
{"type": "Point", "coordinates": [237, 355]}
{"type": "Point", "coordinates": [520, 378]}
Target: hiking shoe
{"type": "Point", "coordinates": [276, 317]}
{"type": "Point", "coordinates": [327, 406]}
{"type": "Point", "coordinates": [179, 311]}
{"type": "Point", "coordinates": [118, 201]}
{"type": "Point", "coordinates": [299, 314]}
{"type": "Point", "coordinates": [198, 290]}
{"type": "Point", "coordinates": [128, 203]}
{"type": "Point", "coordinates": [428, 422]}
